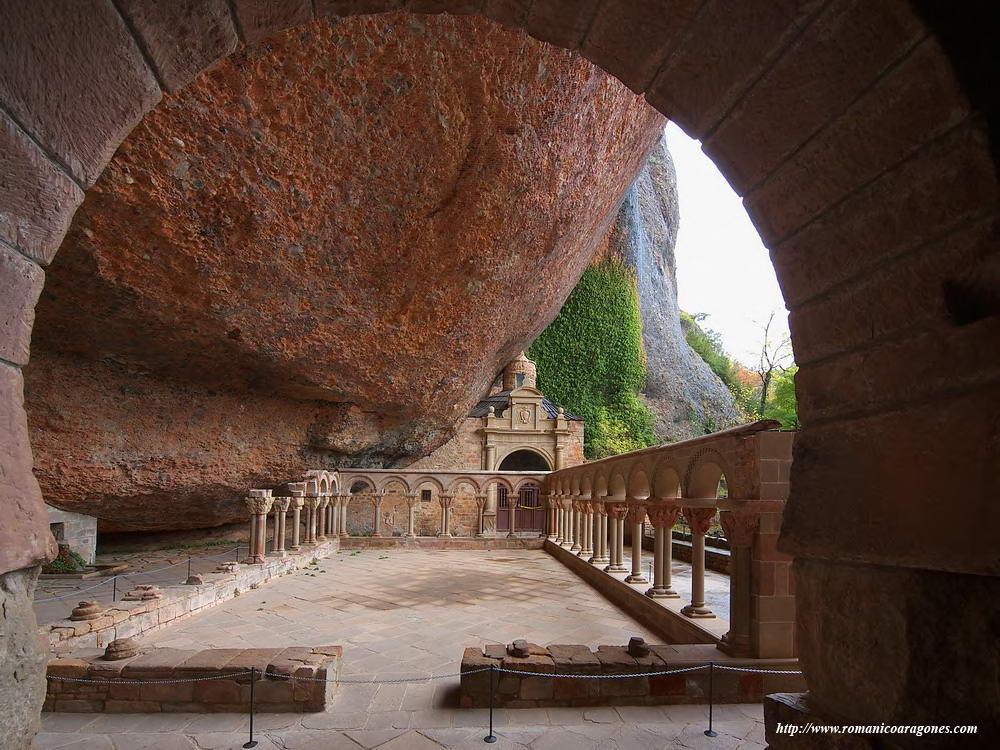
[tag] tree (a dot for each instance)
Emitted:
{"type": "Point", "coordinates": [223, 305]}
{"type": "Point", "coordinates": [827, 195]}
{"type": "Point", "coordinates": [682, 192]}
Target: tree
{"type": "Point", "coordinates": [775, 359]}
{"type": "Point", "coordinates": [783, 406]}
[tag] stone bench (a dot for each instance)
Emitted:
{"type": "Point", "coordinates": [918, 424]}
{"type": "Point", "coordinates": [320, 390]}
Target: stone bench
{"type": "Point", "coordinates": [515, 691]}
{"type": "Point", "coordinates": [114, 692]}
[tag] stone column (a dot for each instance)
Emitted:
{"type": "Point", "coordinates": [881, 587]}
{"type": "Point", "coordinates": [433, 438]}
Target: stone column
{"type": "Point", "coordinates": [699, 519]}
{"type": "Point", "coordinates": [616, 519]}
{"type": "Point", "coordinates": [512, 503]}
{"type": "Point", "coordinates": [280, 511]}
{"type": "Point", "coordinates": [740, 527]}
{"type": "Point", "coordinates": [331, 517]}
{"type": "Point", "coordinates": [595, 532]}
{"type": "Point", "coordinates": [663, 518]}
{"type": "Point", "coordinates": [551, 524]}
{"type": "Point", "coordinates": [296, 505]}
{"type": "Point", "coordinates": [587, 524]}
{"type": "Point", "coordinates": [637, 514]}
{"type": "Point", "coordinates": [324, 501]}
{"type": "Point", "coordinates": [480, 520]}
{"type": "Point", "coordinates": [560, 520]}
{"type": "Point", "coordinates": [445, 501]}
{"type": "Point", "coordinates": [577, 530]}
{"type": "Point", "coordinates": [259, 504]}
{"type": "Point", "coordinates": [411, 506]}
{"type": "Point", "coordinates": [311, 502]}
{"type": "Point", "coordinates": [344, 500]}
{"type": "Point", "coordinates": [377, 499]}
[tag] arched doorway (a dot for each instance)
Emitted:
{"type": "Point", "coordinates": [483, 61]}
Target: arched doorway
{"type": "Point", "coordinates": [524, 460]}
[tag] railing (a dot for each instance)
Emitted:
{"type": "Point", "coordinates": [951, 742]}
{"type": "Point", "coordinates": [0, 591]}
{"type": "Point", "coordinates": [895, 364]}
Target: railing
{"type": "Point", "coordinates": [590, 505]}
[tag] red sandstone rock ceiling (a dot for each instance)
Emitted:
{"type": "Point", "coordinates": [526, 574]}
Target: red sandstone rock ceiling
{"type": "Point", "coordinates": [319, 252]}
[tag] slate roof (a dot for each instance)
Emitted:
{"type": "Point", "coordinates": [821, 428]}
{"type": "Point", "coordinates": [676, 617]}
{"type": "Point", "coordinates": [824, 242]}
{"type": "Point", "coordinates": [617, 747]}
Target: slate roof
{"type": "Point", "coordinates": [500, 402]}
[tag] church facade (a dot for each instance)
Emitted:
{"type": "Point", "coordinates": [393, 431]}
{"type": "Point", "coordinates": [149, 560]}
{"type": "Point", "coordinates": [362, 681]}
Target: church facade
{"type": "Point", "coordinates": [514, 428]}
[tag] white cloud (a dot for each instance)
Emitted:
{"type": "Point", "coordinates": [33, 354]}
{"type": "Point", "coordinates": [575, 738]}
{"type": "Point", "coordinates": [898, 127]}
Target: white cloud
{"type": "Point", "coordinates": [723, 268]}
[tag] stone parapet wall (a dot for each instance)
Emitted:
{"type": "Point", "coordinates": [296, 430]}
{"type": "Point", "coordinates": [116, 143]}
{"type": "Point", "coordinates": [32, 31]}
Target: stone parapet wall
{"type": "Point", "coordinates": [125, 619]}
{"type": "Point", "coordinates": [118, 687]}
{"type": "Point", "coordinates": [517, 691]}
{"type": "Point", "coordinates": [473, 543]}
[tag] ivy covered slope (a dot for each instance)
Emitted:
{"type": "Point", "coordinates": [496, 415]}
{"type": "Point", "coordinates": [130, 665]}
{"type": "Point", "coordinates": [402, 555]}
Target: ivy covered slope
{"type": "Point", "coordinates": [591, 360]}
{"type": "Point", "coordinates": [616, 354]}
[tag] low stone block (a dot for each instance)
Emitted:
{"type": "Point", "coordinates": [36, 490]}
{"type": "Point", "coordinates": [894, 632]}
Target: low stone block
{"type": "Point", "coordinates": [255, 658]}
{"type": "Point", "coordinates": [274, 691]}
{"type": "Point", "coordinates": [77, 668]}
{"type": "Point", "coordinates": [156, 664]}
{"type": "Point", "coordinates": [177, 692]}
{"type": "Point", "coordinates": [207, 663]}
{"type": "Point", "coordinates": [217, 691]}
{"type": "Point", "coordinates": [78, 706]}
{"type": "Point", "coordinates": [131, 707]}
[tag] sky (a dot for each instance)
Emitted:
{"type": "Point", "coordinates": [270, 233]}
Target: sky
{"type": "Point", "coordinates": [723, 268]}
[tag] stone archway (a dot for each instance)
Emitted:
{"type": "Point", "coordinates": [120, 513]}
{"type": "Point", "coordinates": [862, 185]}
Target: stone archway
{"type": "Point", "coordinates": [866, 164]}
{"type": "Point", "coordinates": [524, 459]}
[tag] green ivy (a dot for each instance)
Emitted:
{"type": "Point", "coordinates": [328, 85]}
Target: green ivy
{"type": "Point", "coordinates": [591, 361]}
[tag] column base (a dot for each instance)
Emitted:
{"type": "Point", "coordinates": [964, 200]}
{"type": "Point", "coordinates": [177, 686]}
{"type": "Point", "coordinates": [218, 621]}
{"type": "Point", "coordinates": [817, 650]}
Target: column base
{"type": "Point", "coordinates": [444, 535]}
{"type": "Point", "coordinates": [276, 553]}
{"type": "Point", "coordinates": [587, 553]}
{"type": "Point", "coordinates": [636, 578]}
{"type": "Point", "coordinates": [552, 538]}
{"type": "Point", "coordinates": [295, 548]}
{"type": "Point", "coordinates": [511, 535]}
{"type": "Point", "coordinates": [661, 593]}
{"type": "Point", "coordinates": [738, 645]}
{"type": "Point", "coordinates": [411, 536]}
{"type": "Point", "coordinates": [616, 569]}
{"type": "Point", "coordinates": [696, 612]}
{"type": "Point", "coordinates": [575, 548]}
{"type": "Point", "coordinates": [344, 535]}
{"type": "Point", "coordinates": [320, 539]}
{"type": "Point", "coordinates": [253, 560]}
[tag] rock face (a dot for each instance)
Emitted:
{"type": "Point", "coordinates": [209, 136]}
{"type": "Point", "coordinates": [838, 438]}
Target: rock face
{"type": "Point", "coordinates": [685, 396]}
{"type": "Point", "coordinates": [319, 253]}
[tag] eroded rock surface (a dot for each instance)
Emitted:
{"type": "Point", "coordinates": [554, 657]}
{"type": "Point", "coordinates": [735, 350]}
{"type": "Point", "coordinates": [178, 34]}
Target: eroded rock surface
{"type": "Point", "coordinates": [320, 252]}
{"type": "Point", "coordinates": [685, 396]}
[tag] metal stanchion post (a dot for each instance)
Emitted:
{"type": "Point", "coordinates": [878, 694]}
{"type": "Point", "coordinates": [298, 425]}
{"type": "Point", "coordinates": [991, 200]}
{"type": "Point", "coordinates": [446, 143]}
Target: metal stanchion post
{"type": "Point", "coordinates": [491, 738]}
{"type": "Point", "coordinates": [189, 566]}
{"type": "Point", "coordinates": [711, 698]}
{"type": "Point", "coordinates": [114, 588]}
{"type": "Point", "coordinates": [253, 678]}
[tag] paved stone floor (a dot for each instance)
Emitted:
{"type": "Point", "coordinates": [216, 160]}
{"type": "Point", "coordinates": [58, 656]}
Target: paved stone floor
{"type": "Point", "coordinates": [410, 613]}
{"type": "Point", "coordinates": [739, 727]}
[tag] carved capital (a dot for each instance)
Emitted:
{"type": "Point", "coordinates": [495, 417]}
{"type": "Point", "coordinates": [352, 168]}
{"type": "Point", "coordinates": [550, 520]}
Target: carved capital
{"type": "Point", "coordinates": [618, 511]}
{"type": "Point", "coordinates": [740, 526]}
{"type": "Point", "coordinates": [296, 502]}
{"type": "Point", "coordinates": [311, 501]}
{"type": "Point", "coordinates": [663, 516]}
{"type": "Point", "coordinates": [699, 519]}
{"type": "Point", "coordinates": [324, 500]}
{"type": "Point", "coordinates": [412, 500]}
{"type": "Point", "coordinates": [445, 500]}
{"type": "Point", "coordinates": [259, 504]}
{"type": "Point", "coordinates": [282, 503]}
{"type": "Point", "coordinates": [636, 511]}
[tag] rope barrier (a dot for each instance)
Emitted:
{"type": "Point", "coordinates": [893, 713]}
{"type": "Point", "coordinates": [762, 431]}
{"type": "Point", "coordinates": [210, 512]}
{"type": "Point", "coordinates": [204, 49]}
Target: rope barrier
{"type": "Point", "coordinates": [150, 682]}
{"type": "Point", "coordinates": [492, 669]}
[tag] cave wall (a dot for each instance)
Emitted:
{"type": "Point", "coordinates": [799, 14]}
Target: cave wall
{"type": "Point", "coordinates": [318, 253]}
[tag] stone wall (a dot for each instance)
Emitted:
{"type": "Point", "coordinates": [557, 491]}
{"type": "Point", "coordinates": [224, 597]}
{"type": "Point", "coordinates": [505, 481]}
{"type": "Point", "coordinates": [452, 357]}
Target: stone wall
{"type": "Point", "coordinates": [297, 690]}
{"type": "Point", "coordinates": [463, 451]}
{"type": "Point", "coordinates": [79, 531]}
{"type": "Point", "coordinates": [515, 691]}
{"type": "Point", "coordinates": [125, 619]}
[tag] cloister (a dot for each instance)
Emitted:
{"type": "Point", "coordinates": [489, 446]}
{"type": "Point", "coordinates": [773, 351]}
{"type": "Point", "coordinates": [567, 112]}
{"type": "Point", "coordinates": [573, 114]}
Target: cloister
{"type": "Point", "coordinates": [862, 136]}
{"type": "Point", "coordinates": [586, 511]}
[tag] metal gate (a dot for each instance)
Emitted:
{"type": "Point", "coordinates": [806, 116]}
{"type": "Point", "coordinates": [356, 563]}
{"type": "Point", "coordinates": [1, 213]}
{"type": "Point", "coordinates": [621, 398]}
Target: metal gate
{"type": "Point", "coordinates": [530, 515]}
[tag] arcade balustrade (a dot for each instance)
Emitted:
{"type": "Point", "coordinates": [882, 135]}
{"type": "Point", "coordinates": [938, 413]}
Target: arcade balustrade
{"type": "Point", "coordinates": [739, 476]}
